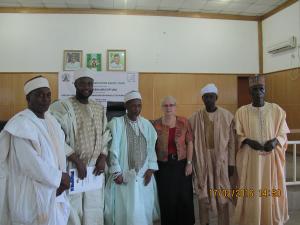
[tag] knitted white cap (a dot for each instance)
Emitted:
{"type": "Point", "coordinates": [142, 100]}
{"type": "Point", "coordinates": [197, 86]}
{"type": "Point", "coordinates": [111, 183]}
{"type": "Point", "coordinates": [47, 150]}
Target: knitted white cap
{"type": "Point", "coordinates": [83, 72]}
{"type": "Point", "coordinates": [35, 83]}
{"type": "Point", "coordinates": [209, 88]}
{"type": "Point", "coordinates": [132, 95]}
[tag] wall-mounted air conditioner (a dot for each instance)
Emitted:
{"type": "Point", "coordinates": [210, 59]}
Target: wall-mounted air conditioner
{"type": "Point", "coordinates": [283, 46]}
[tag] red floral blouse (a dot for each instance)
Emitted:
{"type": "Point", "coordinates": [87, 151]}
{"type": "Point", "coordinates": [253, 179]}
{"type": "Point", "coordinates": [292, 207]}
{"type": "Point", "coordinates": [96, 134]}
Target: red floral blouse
{"type": "Point", "coordinates": [183, 135]}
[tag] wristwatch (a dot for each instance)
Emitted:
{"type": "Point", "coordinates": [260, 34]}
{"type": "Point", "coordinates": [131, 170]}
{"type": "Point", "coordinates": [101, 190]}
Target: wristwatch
{"type": "Point", "coordinates": [189, 162]}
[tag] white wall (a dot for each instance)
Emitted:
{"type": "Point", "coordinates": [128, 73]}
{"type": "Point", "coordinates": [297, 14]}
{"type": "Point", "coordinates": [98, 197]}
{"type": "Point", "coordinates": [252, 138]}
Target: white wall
{"type": "Point", "coordinates": [277, 28]}
{"type": "Point", "coordinates": [35, 42]}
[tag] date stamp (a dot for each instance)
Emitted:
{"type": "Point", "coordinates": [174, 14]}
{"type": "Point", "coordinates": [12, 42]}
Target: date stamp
{"type": "Point", "coordinates": [232, 193]}
{"type": "Point", "coordinates": [245, 193]}
{"type": "Point", "coordinates": [265, 192]}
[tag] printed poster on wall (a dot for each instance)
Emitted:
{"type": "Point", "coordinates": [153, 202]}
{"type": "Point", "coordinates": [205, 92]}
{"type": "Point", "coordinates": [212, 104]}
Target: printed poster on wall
{"type": "Point", "coordinates": [108, 86]}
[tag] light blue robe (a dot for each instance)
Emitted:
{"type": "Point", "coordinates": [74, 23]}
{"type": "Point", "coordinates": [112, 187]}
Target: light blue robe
{"type": "Point", "coordinates": [132, 203]}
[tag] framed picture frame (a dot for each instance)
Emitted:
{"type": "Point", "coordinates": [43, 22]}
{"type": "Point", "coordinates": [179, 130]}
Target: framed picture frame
{"type": "Point", "coordinates": [94, 61]}
{"type": "Point", "coordinates": [72, 60]}
{"type": "Point", "coordinates": [116, 60]}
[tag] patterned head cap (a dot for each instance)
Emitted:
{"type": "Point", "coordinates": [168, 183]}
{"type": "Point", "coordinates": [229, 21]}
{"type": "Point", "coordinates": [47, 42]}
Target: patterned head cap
{"type": "Point", "coordinates": [256, 80]}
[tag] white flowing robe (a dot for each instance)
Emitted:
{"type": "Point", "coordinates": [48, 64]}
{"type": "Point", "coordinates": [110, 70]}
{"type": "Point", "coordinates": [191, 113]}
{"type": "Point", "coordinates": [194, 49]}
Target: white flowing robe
{"type": "Point", "coordinates": [132, 203]}
{"type": "Point", "coordinates": [32, 158]}
{"type": "Point", "coordinates": [261, 173]}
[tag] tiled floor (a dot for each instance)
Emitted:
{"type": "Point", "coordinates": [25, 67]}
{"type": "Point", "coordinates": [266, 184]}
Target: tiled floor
{"type": "Point", "coordinates": [294, 218]}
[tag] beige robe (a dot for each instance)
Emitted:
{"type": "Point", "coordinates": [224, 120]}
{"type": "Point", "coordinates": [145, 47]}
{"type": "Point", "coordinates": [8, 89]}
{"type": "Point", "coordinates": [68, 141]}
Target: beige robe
{"type": "Point", "coordinates": [87, 136]}
{"type": "Point", "coordinates": [260, 172]}
{"type": "Point", "coordinates": [215, 164]}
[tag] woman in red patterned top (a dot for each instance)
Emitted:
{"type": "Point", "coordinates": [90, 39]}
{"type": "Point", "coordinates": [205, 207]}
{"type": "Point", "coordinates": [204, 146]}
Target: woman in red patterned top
{"type": "Point", "coordinates": [174, 149]}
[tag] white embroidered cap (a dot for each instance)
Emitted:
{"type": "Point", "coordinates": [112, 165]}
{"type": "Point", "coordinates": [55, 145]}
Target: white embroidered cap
{"type": "Point", "coordinates": [35, 83]}
{"type": "Point", "coordinates": [209, 88]}
{"type": "Point", "coordinates": [132, 95]}
{"type": "Point", "coordinates": [83, 72]}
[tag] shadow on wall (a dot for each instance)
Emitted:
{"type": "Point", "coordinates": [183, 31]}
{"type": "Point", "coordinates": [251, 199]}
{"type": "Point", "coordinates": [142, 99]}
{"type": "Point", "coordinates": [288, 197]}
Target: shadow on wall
{"type": "Point", "coordinates": [115, 109]}
{"type": "Point", "coordinates": [2, 124]}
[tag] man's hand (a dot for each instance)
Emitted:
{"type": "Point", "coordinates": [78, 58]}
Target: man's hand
{"type": "Point", "coordinates": [65, 180]}
{"type": "Point", "coordinates": [253, 144]}
{"type": "Point", "coordinates": [80, 166]}
{"type": "Point", "coordinates": [230, 170]}
{"type": "Point", "coordinates": [100, 165]}
{"type": "Point", "coordinates": [270, 144]}
{"type": "Point", "coordinates": [64, 184]}
{"type": "Point", "coordinates": [188, 169]}
{"type": "Point", "coordinates": [59, 191]}
{"type": "Point", "coordinates": [147, 176]}
{"type": "Point", "coordinates": [119, 179]}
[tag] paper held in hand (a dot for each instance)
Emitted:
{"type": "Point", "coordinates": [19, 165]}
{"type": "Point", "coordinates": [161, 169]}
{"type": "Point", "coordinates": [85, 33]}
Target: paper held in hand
{"type": "Point", "coordinates": [91, 182]}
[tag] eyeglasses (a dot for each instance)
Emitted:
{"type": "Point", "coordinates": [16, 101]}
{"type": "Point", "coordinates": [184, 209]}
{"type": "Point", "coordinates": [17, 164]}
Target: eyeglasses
{"type": "Point", "coordinates": [169, 105]}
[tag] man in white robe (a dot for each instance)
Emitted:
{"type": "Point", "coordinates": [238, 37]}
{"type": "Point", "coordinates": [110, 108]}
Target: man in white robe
{"type": "Point", "coordinates": [131, 193]}
{"type": "Point", "coordinates": [33, 174]}
{"type": "Point", "coordinates": [84, 124]}
{"type": "Point", "coordinates": [262, 140]}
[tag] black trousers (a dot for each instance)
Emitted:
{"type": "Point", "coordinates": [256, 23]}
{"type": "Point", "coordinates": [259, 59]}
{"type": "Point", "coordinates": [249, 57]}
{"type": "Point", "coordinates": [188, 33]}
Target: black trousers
{"type": "Point", "coordinates": [175, 193]}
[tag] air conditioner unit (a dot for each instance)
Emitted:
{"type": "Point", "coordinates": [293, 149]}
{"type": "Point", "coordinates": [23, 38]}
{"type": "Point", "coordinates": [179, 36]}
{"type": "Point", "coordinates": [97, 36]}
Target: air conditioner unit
{"type": "Point", "coordinates": [283, 46]}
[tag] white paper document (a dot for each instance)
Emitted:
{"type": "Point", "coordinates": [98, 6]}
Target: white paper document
{"type": "Point", "coordinates": [91, 182]}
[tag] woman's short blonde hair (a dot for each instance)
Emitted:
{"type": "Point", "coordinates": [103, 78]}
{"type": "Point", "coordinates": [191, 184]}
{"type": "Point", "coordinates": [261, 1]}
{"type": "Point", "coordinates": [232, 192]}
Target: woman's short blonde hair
{"type": "Point", "coordinates": [170, 98]}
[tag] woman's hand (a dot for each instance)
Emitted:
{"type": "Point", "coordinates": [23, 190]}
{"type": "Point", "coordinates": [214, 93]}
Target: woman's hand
{"type": "Point", "coordinates": [188, 169]}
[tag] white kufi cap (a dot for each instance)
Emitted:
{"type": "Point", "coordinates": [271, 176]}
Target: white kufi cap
{"type": "Point", "coordinates": [83, 72]}
{"type": "Point", "coordinates": [132, 95]}
{"type": "Point", "coordinates": [35, 83]}
{"type": "Point", "coordinates": [209, 88]}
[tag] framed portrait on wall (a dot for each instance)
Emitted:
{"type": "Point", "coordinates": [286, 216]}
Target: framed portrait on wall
{"type": "Point", "coordinates": [93, 61]}
{"type": "Point", "coordinates": [72, 60]}
{"type": "Point", "coordinates": [116, 60]}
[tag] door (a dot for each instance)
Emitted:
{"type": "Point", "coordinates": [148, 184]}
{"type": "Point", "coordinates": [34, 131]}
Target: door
{"type": "Point", "coordinates": [244, 97]}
